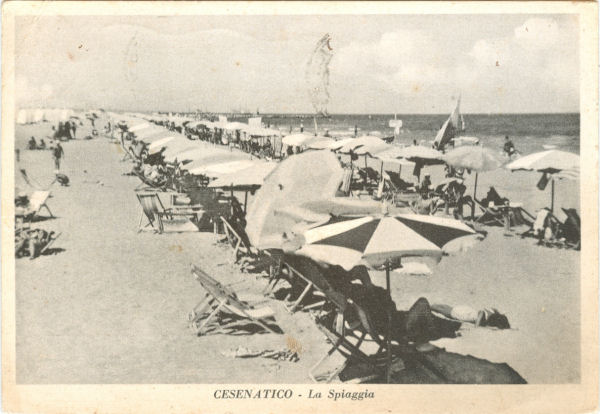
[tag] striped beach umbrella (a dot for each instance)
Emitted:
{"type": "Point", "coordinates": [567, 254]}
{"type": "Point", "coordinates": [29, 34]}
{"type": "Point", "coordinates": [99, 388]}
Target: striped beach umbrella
{"type": "Point", "coordinates": [380, 241]}
{"type": "Point", "coordinates": [376, 240]}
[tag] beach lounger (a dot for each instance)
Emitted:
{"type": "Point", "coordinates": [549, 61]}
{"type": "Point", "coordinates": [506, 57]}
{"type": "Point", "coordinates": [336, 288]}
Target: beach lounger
{"type": "Point", "coordinates": [156, 215]}
{"type": "Point", "coordinates": [222, 311]}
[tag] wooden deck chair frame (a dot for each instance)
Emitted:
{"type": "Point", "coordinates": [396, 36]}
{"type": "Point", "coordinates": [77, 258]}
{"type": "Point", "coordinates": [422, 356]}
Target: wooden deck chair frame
{"type": "Point", "coordinates": [310, 286]}
{"type": "Point", "coordinates": [28, 217]}
{"type": "Point", "coordinates": [146, 185]}
{"type": "Point", "coordinates": [218, 299]}
{"type": "Point", "coordinates": [234, 238]}
{"type": "Point", "coordinates": [341, 343]}
{"type": "Point", "coordinates": [156, 212]}
{"type": "Point", "coordinates": [494, 215]}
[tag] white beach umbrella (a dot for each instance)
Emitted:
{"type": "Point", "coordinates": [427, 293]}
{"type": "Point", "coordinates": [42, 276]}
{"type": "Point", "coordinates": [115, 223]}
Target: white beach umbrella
{"type": "Point", "coordinates": [322, 143]}
{"type": "Point", "coordinates": [221, 168]}
{"type": "Point", "coordinates": [555, 163]}
{"type": "Point", "coordinates": [297, 140]}
{"type": "Point", "coordinates": [253, 175]}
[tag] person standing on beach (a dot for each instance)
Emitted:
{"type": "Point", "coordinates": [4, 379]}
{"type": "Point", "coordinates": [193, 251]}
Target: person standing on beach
{"type": "Point", "coordinates": [509, 147]}
{"type": "Point", "coordinates": [58, 154]}
{"type": "Point", "coordinates": [74, 129]}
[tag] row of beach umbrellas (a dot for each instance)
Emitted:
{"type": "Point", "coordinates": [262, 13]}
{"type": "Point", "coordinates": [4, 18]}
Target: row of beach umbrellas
{"type": "Point", "coordinates": [217, 162]}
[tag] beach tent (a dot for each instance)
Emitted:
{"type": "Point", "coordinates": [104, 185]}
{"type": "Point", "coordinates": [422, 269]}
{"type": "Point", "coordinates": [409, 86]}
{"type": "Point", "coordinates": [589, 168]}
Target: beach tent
{"type": "Point", "coordinates": [233, 126]}
{"type": "Point", "coordinates": [38, 115]}
{"type": "Point", "coordinates": [22, 116]}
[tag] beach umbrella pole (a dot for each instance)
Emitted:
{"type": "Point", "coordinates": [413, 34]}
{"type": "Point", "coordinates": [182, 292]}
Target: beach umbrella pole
{"type": "Point", "coordinates": [552, 200]}
{"type": "Point", "coordinates": [388, 370]}
{"type": "Point", "coordinates": [474, 197]}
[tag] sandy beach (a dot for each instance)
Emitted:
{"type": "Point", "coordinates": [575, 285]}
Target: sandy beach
{"type": "Point", "coordinates": [111, 304]}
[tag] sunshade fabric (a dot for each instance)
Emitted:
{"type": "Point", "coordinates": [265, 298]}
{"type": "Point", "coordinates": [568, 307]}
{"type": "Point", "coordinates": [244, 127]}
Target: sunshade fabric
{"type": "Point", "coordinates": [298, 179]}
{"type": "Point", "coordinates": [371, 240]}
{"type": "Point", "coordinates": [297, 139]}
{"type": "Point", "coordinates": [365, 141]}
{"type": "Point", "coordinates": [247, 177]}
{"type": "Point", "coordinates": [474, 158]}
{"type": "Point", "coordinates": [551, 161]}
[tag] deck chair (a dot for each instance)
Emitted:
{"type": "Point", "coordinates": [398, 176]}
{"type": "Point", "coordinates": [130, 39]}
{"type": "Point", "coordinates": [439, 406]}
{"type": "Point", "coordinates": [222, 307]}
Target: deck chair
{"type": "Point", "coordinates": [222, 311]}
{"type": "Point", "coordinates": [504, 215]}
{"type": "Point", "coordinates": [237, 239]}
{"type": "Point", "coordinates": [552, 232]}
{"type": "Point", "coordinates": [352, 328]}
{"type": "Point", "coordinates": [146, 184]}
{"type": "Point", "coordinates": [571, 228]}
{"type": "Point", "coordinates": [156, 215]}
{"type": "Point", "coordinates": [396, 183]}
{"type": "Point", "coordinates": [37, 201]}
{"type": "Point", "coordinates": [310, 286]}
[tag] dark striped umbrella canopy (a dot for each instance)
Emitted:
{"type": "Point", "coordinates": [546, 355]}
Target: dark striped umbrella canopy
{"type": "Point", "coordinates": [374, 240]}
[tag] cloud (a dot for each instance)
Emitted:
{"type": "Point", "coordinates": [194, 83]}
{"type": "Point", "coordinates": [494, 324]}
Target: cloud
{"type": "Point", "coordinates": [534, 65]}
{"type": "Point", "coordinates": [529, 65]}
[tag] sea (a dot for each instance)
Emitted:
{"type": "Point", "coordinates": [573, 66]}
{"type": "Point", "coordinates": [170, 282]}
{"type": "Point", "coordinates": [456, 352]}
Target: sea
{"type": "Point", "coordinates": [529, 132]}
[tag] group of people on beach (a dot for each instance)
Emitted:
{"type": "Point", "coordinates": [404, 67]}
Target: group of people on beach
{"type": "Point", "coordinates": [58, 152]}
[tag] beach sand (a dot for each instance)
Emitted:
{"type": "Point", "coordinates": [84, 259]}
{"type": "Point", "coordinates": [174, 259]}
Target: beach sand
{"type": "Point", "coordinates": [111, 306]}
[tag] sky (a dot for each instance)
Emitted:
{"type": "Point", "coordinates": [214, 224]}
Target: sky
{"type": "Point", "coordinates": [381, 63]}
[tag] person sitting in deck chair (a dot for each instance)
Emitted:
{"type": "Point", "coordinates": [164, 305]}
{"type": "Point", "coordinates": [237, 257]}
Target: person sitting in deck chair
{"type": "Point", "coordinates": [425, 186]}
{"type": "Point", "coordinates": [493, 199]}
